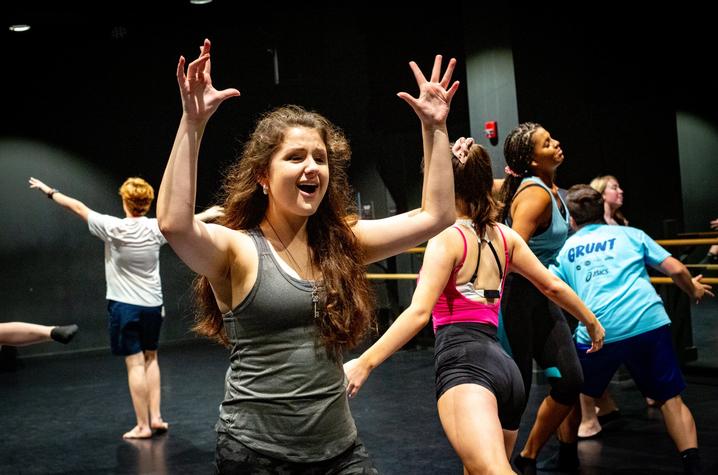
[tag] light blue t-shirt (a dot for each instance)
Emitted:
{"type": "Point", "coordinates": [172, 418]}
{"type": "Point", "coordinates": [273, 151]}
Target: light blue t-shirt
{"type": "Point", "coordinates": [606, 266]}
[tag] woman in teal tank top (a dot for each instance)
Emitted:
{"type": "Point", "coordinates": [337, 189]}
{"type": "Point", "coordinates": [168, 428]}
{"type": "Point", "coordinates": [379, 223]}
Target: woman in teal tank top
{"type": "Point", "coordinates": [534, 325]}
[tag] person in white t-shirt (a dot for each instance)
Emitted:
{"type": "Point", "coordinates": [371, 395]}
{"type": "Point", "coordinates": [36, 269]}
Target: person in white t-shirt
{"type": "Point", "coordinates": [134, 291]}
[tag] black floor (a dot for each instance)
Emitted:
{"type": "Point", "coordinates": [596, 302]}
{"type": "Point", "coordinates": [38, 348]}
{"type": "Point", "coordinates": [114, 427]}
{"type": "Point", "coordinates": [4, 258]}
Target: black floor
{"type": "Point", "coordinates": [67, 416]}
{"type": "Point", "coordinates": [705, 336]}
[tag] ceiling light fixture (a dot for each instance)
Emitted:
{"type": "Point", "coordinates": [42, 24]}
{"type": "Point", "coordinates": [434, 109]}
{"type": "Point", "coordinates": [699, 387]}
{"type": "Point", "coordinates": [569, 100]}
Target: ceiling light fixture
{"type": "Point", "coordinates": [19, 28]}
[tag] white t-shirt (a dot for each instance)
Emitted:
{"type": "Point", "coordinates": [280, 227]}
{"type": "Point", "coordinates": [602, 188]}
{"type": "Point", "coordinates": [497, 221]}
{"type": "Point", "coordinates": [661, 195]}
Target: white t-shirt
{"type": "Point", "coordinates": [132, 257]}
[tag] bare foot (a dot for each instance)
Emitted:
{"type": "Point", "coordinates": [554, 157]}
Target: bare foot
{"type": "Point", "coordinates": [589, 429]}
{"type": "Point", "coordinates": [138, 432]}
{"type": "Point", "coordinates": [159, 425]}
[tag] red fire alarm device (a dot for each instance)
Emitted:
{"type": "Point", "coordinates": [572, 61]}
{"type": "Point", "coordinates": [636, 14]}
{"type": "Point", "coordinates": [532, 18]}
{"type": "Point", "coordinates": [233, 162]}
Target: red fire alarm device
{"type": "Point", "coordinates": [490, 129]}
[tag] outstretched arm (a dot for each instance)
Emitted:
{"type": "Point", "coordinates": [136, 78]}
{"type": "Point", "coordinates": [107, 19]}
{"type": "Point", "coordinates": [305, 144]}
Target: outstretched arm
{"type": "Point", "coordinates": [202, 247]}
{"type": "Point", "coordinates": [439, 260]}
{"type": "Point", "coordinates": [680, 275]}
{"type": "Point", "coordinates": [527, 264]}
{"type": "Point", "coordinates": [210, 214]}
{"type": "Point", "coordinates": [386, 237]}
{"type": "Point", "coordinates": [76, 206]}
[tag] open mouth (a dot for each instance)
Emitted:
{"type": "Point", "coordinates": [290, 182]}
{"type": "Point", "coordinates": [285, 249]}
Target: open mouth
{"type": "Point", "coordinates": [308, 188]}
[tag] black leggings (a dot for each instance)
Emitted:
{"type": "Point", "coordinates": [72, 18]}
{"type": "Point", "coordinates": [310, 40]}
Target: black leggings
{"type": "Point", "coordinates": [536, 329]}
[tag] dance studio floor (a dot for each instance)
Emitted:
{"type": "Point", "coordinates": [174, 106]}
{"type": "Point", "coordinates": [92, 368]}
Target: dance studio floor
{"type": "Point", "coordinates": [67, 415]}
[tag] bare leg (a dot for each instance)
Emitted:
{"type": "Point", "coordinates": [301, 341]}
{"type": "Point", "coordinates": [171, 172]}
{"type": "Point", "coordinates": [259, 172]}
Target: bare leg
{"type": "Point", "coordinates": [23, 334]}
{"type": "Point", "coordinates": [152, 374]}
{"type": "Point", "coordinates": [568, 429]}
{"type": "Point", "coordinates": [140, 399]}
{"type": "Point", "coordinates": [548, 418]}
{"type": "Point", "coordinates": [589, 417]}
{"type": "Point", "coordinates": [469, 416]}
{"type": "Point", "coordinates": [680, 424]}
{"type": "Point", "coordinates": [606, 404]}
{"type": "Point", "coordinates": [510, 441]}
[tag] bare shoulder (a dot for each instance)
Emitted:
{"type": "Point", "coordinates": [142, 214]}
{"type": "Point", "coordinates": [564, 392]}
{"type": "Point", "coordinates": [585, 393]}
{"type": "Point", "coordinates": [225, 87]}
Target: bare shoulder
{"type": "Point", "coordinates": [238, 244]}
{"type": "Point", "coordinates": [533, 194]}
{"type": "Point", "coordinates": [450, 235]}
{"type": "Point", "coordinates": [449, 240]}
{"type": "Point", "coordinates": [241, 242]}
{"type": "Point", "coordinates": [510, 235]}
{"type": "Point", "coordinates": [531, 206]}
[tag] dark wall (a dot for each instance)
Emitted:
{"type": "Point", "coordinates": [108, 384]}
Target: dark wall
{"type": "Point", "coordinates": [603, 90]}
{"type": "Point", "coordinates": [91, 104]}
{"type": "Point", "coordinates": [697, 123]}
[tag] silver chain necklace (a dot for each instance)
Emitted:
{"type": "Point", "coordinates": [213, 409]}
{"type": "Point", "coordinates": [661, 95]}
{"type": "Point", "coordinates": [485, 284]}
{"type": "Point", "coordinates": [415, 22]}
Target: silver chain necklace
{"type": "Point", "coordinates": [315, 290]}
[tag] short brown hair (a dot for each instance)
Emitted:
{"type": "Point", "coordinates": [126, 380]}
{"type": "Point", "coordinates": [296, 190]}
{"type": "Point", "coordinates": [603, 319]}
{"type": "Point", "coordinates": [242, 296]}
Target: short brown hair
{"type": "Point", "coordinates": [138, 195]}
{"type": "Point", "coordinates": [585, 205]}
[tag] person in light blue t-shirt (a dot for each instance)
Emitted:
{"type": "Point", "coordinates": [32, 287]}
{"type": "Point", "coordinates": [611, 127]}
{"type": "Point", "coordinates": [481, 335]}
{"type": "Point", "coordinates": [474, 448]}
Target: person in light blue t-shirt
{"type": "Point", "coordinates": [606, 266]}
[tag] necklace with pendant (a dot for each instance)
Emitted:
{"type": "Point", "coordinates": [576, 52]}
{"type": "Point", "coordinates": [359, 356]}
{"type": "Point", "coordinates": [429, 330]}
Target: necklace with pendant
{"type": "Point", "coordinates": [315, 289]}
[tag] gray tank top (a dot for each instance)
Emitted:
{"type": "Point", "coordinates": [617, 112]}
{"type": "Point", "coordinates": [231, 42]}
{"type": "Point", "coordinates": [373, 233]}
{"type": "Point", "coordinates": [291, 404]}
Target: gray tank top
{"type": "Point", "coordinates": [284, 396]}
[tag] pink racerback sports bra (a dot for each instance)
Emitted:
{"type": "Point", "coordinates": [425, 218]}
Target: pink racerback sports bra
{"type": "Point", "coordinates": [453, 306]}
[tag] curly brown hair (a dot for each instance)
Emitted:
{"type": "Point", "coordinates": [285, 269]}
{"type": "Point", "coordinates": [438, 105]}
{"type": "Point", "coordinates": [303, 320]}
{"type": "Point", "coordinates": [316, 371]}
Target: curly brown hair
{"type": "Point", "coordinates": [348, 310]}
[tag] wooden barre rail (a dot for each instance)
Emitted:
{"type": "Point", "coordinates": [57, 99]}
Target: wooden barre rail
{"type": "Point", "coordinates": [654, 280]}
{"type": "Point", "coordinates": [667, 280]}
{"type": "Point", "coordinates": [415, 250]}
{"type": "Point", "coordinates": [687, 242]}
{"type": "Point", "coordinates": [662, 242]}
{"type": "Point", "coordinates": [706, 233]}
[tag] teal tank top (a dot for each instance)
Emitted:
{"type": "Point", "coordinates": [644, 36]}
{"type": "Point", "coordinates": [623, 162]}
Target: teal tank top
{"type": "Point", "coordinates": [546, 245]}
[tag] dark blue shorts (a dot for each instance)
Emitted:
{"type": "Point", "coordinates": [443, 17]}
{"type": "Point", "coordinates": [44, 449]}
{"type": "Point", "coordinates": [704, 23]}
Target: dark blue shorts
{"type": "Point", "coordinates": [133, 328]}
{"type": "Point", "coordinates": [649, 357]}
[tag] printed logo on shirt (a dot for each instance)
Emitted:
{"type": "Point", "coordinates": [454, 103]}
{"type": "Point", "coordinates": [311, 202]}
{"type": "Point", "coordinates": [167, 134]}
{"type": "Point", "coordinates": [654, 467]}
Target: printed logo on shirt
{"type": "Point", "coordinates": [582, 250]}
{"type": "Point", "coordinates": [596, 273]}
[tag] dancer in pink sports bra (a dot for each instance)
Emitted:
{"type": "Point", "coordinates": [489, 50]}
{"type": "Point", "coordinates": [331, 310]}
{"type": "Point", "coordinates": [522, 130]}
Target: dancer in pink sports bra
{"type": "Point", "coordinates": [465, 303]}
{"type": "Point", "coordinates": [479, 388]}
